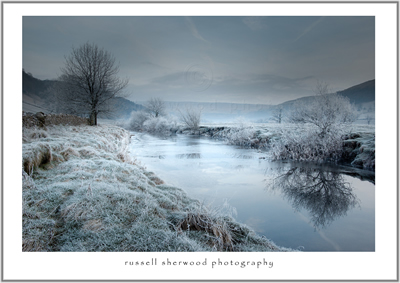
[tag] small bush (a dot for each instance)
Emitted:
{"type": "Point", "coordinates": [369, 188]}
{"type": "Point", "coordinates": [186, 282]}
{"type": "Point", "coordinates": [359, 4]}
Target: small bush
{"type": "Point", "coordinates": [137, 120]}
{"type": "Point", "coordinates": [320, 125]}
{"type": "Point", "coordinates": [242, 134]}
{"type": "Point", "coordinates": [304, 144]}
{"type": "Point", "coordinates": [158, 126]}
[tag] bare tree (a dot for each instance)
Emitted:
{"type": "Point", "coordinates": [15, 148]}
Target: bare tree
{"type": "Point", "coordinates": [327, 111]}
{"type": "Point", "coordinates": [191, 117]}
{"type": "Point", "coordinates": [89, 82]}
{"type": "Point", "coordinates": [155, 107]}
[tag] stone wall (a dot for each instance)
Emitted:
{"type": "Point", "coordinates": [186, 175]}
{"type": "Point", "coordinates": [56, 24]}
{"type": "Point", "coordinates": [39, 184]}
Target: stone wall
{"type": "Point", "coordinates": [42, 120]}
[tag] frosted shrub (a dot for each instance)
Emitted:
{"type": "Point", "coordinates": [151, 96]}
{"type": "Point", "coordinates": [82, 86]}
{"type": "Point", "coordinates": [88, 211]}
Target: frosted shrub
{"type": "Point", "coordinates": [158, 126]}
{"type": "Point", "coordinates": [304, 144]}
{"type": "Point", "coordinates": [242, 134]}
{"type": "Point", "coordinates": [328, 113]}
{"type": "Point", "coordinates": [319, 127]}
{"type": "Point", "coordinates": [191, 117]}
{"type": "Point", "coordinates": [137, 120]}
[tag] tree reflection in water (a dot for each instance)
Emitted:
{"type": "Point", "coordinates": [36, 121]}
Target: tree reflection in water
{"type": "Point", "coordinates": [325, 194]}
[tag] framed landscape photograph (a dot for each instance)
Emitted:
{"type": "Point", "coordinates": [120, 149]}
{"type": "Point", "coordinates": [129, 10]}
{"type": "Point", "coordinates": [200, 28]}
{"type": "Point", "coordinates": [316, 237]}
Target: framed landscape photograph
{"type": "Point", "coordinates": [200, 141]}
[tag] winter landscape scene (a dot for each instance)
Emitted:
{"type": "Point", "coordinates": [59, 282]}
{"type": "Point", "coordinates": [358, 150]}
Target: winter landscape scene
{"type": "Point", "coordinates": [196, 134]}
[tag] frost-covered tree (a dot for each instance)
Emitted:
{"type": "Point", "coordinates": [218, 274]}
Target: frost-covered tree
{"type": "Point", "coordinates": [327, 111]}
{"type": "Point", "coordinates": [89, 81]}
{"type": "Point", "coordinates": [155, 107]}
{"type": "Point", "coordinates": [191, 117]}
{"type": "Point", "coordinates": [318, 128]}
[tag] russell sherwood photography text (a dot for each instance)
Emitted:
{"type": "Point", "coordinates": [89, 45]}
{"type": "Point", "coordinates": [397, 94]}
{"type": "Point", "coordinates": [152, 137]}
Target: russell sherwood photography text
{"type": "Point", "coordinates": [262, 263]}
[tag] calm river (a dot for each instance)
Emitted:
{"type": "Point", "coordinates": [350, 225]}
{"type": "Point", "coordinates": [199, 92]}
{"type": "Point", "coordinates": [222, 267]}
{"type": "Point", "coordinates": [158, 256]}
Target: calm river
{"type": "Point", "coordinates": [306, 207]}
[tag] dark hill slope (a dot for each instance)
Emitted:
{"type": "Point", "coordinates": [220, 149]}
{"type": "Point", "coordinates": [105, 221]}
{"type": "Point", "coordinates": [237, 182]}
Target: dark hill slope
{"type": "Point", "coordinates": [34, 86]}
{"type": "Point", "coordinates": [361, 93]}
{"type": "Point", "coordinates": [37, 96]}
{"type": "Point", "coordinates": [358, 94]}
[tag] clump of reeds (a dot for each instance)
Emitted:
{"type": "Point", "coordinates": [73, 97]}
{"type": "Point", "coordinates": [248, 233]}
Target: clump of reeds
{"type": "Point", "coordinates": [217, 229]}
{"type": "Point", "coordinates": [36, 156]}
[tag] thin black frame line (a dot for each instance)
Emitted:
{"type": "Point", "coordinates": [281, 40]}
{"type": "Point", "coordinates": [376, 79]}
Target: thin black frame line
{"type": "Point", "coordinates": [185, 2]}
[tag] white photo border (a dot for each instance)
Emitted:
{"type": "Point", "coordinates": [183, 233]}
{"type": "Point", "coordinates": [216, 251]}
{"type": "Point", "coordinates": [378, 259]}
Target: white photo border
{"type": "Point", "coordinates": [381, 265]}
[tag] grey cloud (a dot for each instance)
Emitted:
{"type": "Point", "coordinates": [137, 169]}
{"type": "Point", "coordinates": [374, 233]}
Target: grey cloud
{"type": "Point", "coordinates": [172, 79]}
{"type": "Point", "coordinates": [252, 58]}
{"type": "Point", "coordinates": [194, 30]}
{"type": "Point", "coordinates": [309, 28]}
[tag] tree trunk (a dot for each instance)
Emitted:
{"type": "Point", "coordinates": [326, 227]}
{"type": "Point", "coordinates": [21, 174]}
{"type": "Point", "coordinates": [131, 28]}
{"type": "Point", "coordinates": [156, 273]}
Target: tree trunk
{"type": "Point", "coordinates": [93, 118]}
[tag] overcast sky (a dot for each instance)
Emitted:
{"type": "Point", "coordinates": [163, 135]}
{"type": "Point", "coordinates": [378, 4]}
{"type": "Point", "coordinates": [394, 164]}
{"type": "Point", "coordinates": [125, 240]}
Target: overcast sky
{"type": "Point", "coordinates": [265, 60]}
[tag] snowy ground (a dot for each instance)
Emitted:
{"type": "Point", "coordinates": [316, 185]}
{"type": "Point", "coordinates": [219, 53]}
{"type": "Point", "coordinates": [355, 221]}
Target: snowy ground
{"type": "Point", "coordinates": [82, 192]}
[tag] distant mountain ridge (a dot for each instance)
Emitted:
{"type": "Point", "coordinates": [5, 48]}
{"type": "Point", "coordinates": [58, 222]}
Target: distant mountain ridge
{"type": "Point", "coordinates": [37, 94]}
{"type": "Point", "coordinates": [358, 94]}
{"type": "Point", "coordinates": [361, 93]}
{"type": "Point", "coordinates": [34, 86]}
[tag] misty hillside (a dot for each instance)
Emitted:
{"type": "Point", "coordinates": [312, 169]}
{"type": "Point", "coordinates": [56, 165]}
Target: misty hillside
{"type": "Point", "coordinates": [358, 94]}
{"type": "Point", "coordinates": [362, 96]}
{"type": "Point", "coordinates": [34, 86]}
{"type": "Point", "coordinates": [217, 111]}
{"type": "Point", "coordinates": [362, 93]}
{"type": "Point", "coordinates": [37, 94]}
{"type": "Point", "coordinates": [125, 107]}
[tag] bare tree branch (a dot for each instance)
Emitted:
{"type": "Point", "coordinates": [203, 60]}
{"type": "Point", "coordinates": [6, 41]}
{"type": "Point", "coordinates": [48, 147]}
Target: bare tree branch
{"type": "Point", "coordinates": [155, 107]}
{"type": "Point", "coordinates": [89, 82]}
{"type": "Point", "coordinates": [191, 117]}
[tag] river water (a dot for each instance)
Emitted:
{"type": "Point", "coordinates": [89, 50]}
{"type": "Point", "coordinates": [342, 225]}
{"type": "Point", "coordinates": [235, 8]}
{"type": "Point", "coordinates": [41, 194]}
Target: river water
{"type": "Point", "coordinates": [300, 206]}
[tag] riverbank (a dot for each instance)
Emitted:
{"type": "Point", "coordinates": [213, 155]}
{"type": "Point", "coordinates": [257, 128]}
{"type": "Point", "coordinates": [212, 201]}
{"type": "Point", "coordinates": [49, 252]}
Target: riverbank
{"type": "Point", "coordinates": [83, 192]}
{"type": "Point", "coordinates": [358, 144]}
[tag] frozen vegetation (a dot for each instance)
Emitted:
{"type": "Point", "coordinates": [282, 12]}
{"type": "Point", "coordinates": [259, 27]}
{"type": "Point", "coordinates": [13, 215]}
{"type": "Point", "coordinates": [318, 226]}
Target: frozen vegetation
{"type": "Point", "coordinates": [142, 121]}
{"type": "Point", "coordinates": [353, 145]}
{"type": "Point", "coordinates": [83, 192]}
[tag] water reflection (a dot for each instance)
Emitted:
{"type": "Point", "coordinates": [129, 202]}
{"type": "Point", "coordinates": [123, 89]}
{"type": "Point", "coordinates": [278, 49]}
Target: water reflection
{"type": "Point", "coordinates": [324, 194]}
{"type": "Point", "coordinates": [188, 156]}
{"type": "Point", "coordinates": [241, 156]}
{"type": "Point", "coordinates": [156, 156]}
